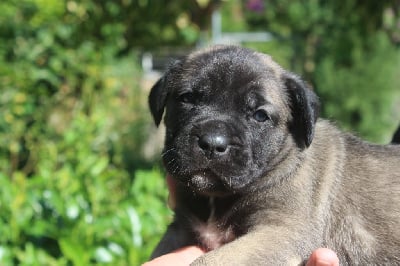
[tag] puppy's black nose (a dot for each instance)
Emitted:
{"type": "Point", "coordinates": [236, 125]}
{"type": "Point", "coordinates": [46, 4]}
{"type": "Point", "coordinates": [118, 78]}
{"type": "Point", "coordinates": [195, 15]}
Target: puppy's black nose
{"type": "Point", "coordinates": [213, 143]}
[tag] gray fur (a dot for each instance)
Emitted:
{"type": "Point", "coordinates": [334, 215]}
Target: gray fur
{"type": "Point", "coordinates": [279, 187]}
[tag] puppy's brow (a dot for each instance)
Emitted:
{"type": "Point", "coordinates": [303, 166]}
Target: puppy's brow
{"type": "Point", "coordinates": [254, 99]}
{"type": "Point", "coordinates": [183, 90]}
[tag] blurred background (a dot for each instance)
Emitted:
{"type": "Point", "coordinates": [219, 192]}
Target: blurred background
{"type": "Point", "coordinates": [81, 182]}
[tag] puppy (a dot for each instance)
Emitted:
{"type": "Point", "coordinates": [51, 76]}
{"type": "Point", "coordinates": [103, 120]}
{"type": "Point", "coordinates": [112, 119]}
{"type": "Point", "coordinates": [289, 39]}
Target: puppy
{"type": "Point", "coordinates": [263, 181]}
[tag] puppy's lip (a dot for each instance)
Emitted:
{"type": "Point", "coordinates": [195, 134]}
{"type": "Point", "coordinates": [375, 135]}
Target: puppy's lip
{"type": "Point", "coordinates": [208, 183]}
{"type": "Point", "coordinates": [204, 178]}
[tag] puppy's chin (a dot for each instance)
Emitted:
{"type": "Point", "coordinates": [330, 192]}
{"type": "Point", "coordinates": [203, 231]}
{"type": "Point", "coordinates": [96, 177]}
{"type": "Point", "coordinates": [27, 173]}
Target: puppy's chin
{"type": "Point", "coordinates": [207, 183]}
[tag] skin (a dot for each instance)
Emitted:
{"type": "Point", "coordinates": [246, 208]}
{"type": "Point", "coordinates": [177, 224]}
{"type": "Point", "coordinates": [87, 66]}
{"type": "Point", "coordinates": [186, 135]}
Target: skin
{"type": "Point", "coordinates": [186, 255]}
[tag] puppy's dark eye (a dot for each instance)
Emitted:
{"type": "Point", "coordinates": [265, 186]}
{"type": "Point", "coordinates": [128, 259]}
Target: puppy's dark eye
{"type": "Point", "coordinates": [187, 97]}
{"type": "Point", "coordinates": [260, 115]}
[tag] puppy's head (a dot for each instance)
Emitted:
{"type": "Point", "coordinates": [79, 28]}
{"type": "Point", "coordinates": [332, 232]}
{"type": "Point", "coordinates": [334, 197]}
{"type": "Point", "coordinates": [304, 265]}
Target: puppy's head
{"type": "Point", "coordinates": [232, 116]}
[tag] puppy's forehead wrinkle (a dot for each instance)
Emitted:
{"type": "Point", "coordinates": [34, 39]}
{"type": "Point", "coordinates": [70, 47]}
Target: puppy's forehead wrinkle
{"type": "Point", "coordinates": [223, 68]}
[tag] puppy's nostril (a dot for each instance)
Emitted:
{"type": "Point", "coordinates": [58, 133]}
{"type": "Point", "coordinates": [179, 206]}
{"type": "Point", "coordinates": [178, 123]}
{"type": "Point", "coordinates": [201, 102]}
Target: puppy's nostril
{"type": "Point", "coordinates": [204, 143]}
{"type": "Point", "coordinates": [213, 143]}
{"type": "Point", "coordinates": [221, 149]}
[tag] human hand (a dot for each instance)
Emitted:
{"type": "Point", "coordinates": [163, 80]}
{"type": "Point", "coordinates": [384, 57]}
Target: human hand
{"type": "Point", "coordinates": [185, 256]}
{"type": "Point", "coordinates": [180, 257]}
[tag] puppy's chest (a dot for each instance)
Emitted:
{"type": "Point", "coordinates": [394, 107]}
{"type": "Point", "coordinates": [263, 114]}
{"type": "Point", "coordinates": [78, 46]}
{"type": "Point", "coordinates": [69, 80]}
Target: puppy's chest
{"type": "Point", "coordinates": [219, 228]}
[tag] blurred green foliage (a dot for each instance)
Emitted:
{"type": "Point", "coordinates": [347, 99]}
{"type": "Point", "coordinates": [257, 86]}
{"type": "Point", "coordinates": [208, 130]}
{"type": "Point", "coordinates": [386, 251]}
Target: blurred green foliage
{"type": "Point", "coordinates": [73, 120]}
{"type": "Point", "coordinates": [75, 188]}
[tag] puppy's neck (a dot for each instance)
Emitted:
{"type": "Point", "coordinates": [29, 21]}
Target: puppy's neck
{"type": "Point", "coordinates": [214, 220]}
{"type": "Point", "coordinates": [210, 233]}
{"type": "Point", "coordinates": [211, 203]}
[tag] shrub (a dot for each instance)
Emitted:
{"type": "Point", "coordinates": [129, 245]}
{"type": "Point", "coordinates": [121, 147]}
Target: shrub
{"type": "Point", "coordinates": [68, 195]}
{"type": "Point", "coordinates": [71, 131]}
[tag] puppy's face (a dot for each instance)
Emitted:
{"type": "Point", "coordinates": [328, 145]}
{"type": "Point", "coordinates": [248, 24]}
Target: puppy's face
{"type": "Point", "coordinates": [232, 115]}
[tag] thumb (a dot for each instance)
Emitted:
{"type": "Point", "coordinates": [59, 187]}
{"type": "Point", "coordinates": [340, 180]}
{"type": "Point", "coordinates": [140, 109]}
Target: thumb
{"type": "Point", "coordinates": [323, 257]}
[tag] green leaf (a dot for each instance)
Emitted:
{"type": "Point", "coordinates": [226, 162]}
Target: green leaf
{"type": "Point", "coordinates": [73, 249]}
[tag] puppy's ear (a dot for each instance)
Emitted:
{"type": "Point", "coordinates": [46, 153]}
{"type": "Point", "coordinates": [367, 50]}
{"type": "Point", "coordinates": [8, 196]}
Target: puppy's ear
{"type": "Point", "coordinates": [157, 99]}
{"type": "Point", "coordinates": [305, 110]}
{"type": "Point", "coordinates": [158, 94]}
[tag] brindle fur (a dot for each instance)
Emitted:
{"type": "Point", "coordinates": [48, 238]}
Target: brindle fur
{"type": "Point", "coordinates": [284, 186]}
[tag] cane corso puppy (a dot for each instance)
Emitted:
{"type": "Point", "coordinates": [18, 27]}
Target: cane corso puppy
{"type": "Point", "coordinates": [260, 179]}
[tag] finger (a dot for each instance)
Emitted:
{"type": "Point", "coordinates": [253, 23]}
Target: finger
{"type": "Point", "coordinates": [181, 257]}
{"type": "Point", "coordinates": [323, 257]}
